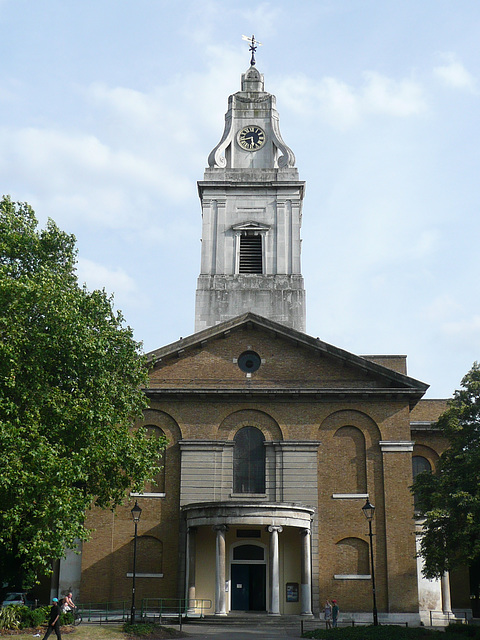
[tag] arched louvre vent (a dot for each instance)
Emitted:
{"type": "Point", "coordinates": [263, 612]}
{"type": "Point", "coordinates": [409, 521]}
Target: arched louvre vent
{"type": "Point", "coordinates": [250, 253]}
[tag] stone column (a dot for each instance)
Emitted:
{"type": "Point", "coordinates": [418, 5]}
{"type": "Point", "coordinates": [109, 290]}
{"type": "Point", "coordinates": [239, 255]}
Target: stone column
{"type": "Point", "coordinates": [306, 574]}
{"type": "Point", "coordinates": [191, 557]}
{"type": "Point", "coordinates": [446, 601]}
{"type": "Point", "coordinates": [274, 609]}
{"type": "Point", "coordinates": [220, 601]}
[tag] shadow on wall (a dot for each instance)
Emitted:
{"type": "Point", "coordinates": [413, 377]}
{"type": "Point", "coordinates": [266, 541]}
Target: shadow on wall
{"type": "Point", "coordinates": [110, 578]}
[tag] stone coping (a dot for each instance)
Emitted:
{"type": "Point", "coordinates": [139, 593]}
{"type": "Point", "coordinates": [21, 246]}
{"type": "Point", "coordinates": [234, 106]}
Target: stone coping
{"type": "Point", "coordinates": [242, 513]}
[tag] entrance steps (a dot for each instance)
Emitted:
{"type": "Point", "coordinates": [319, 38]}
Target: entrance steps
{"type": "Point", "coordinates": [249, 619]}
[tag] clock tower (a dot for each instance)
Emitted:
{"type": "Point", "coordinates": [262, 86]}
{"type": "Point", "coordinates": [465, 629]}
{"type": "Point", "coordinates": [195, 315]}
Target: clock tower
{"type": "Point", "coordinates": [252, 212]}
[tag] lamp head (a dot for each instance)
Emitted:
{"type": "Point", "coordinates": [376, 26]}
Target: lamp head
{"type": "Point", "coordinates": [136, 512]}
{"type": "Point", "coordinates": [368, 510]}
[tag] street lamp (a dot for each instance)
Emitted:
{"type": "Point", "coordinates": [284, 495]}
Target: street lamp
{"type": "Point", "coordinates": [369, 511]}
{"type": "Point", "coordinates": [136, 513]}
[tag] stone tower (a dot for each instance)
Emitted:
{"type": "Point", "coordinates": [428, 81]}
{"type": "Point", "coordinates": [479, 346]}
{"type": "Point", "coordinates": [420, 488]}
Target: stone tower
{"type": "Point", "coordinates": [252, 211]}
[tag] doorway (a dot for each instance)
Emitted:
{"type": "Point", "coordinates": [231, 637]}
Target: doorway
{"type": "Point", "coordinates": [248, 587]}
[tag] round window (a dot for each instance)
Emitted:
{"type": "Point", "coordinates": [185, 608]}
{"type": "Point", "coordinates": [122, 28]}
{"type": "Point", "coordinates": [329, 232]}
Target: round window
{"type": "Point", "coordinates": [249, 361]}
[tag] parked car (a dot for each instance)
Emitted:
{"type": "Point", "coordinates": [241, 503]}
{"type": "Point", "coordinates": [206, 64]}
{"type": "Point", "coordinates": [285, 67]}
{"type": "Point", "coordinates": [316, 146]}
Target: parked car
{"type": "Point", "coordinates": [16, 597]}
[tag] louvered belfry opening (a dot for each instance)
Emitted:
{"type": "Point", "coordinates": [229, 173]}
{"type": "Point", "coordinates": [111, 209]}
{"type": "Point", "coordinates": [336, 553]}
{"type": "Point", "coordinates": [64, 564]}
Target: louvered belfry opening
{"type": "Point", "coordinates": [250, 253]}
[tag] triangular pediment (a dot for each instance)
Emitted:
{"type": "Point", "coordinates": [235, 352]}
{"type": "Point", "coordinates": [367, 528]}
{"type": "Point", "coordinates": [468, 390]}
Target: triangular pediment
{"type": "Point", "coordinates": [251, 226]}
{"type": "Point", "coordinates": [292, 363]}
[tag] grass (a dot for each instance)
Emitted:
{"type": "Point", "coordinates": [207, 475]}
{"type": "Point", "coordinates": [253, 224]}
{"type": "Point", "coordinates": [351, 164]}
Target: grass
{"type": "Point", "coordinates": [102, 632]}
{"type": "Point", "coordinates": [83, 632]}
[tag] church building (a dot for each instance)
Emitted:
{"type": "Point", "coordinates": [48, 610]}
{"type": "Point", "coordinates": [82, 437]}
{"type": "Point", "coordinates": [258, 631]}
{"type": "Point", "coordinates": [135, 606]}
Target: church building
{"type": "Point", "coordinates": [276, 439]}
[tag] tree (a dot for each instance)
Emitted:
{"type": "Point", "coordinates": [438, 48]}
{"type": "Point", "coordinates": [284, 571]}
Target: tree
{"type": "Point", "coordinates": [450, 498]}
{"type": "Point", "coordinates": [70, 389]}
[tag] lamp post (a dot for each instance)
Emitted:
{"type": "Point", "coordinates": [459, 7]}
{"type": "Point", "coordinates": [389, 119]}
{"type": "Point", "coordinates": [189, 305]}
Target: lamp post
{"type": "Point", "coordinates": [368, 511]}
{"type": "Point", "coordinates": [136, 513]}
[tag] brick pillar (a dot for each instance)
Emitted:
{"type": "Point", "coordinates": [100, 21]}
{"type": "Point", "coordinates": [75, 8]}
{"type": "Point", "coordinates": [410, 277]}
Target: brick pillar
{"type": "Point", "coordinates": [400, 561]}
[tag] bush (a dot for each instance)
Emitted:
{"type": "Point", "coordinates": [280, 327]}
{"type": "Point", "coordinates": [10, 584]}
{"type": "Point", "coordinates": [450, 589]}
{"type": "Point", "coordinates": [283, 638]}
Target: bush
{"type": "Point", "coordinates": [462, 630]}
{"type": "Point", "coordinates": [383, 632]}
{"type": "Point", "coordinates": [145, 629]}
{"type": "Point", "coordinates": [35, 617]}
{"type": "Point", "coordinates": [140, 628]}
{"type": "Point", "coordinates": [66, 618]}
{"type": "Point", "coordinates": [11, 616]}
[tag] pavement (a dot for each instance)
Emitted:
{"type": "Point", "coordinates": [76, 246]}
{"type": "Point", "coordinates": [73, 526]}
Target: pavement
{"type": "Point", "coordinates": [260, 630]}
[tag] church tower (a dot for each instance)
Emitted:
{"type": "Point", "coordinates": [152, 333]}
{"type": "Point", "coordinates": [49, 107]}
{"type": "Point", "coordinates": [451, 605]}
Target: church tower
{"type": "Point", "coordinates": [252, 212]}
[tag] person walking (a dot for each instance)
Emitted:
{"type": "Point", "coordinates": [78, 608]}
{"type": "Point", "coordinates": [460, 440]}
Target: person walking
{"type": "Point", "coordinates": [328, 614]}
{"type": "Point", "coordinates": [335, 610]}
{"type": "Point", "coordinates": [54, 620]}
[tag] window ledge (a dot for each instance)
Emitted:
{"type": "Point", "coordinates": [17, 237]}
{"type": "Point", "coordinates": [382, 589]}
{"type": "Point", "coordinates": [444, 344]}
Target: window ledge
{"type": "Point", "coordinates": [147, 495]}
{"type": "Point", "coordinates": [349, 496]}
{"type": "Point", "coordinates": [352, 576]}
{"type": "Point", "coordinates": [248, 496]}
{"type": "Point", "coordinates": [145, 575]}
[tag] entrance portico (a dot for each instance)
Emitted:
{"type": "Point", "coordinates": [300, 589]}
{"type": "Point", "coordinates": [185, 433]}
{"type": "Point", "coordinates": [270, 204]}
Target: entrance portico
{"type": "Point", "coordinates": [242, 562]}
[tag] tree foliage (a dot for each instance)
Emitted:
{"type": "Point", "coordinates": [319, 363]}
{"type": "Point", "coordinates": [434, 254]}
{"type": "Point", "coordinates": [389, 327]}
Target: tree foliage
{"type": "Point", "coordinates": [450, 498]}
{"type": "Point", "coordinates": [70, 388]}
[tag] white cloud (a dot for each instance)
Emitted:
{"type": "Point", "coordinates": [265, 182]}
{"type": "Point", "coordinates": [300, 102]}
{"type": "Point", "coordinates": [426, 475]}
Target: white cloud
{"type": "Point", "coordinates": [441, 309]}
{"type": "Point", "coordinates": [382, 95]}
{"type": "Point", "coordinates": [466, 331]}
{"type": "Point", "coordinates": [82, 176]}
{"type": "Point", "coordinates": [266, 15]}
{"type": "Point", "coordinates": [116, 281]}
{"type": "Point", "coordinates": [343, 105]}
{"type": "Point", "coordinates": [453, 74]}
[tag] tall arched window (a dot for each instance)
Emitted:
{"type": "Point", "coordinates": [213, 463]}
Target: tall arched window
{"type": "Point", "coordinates": [419, 464]}
{"type": "Point", "coordinates": [350, 453]}
{"type": "Point", "coordinates": [157, 485]}
{"type": "Point", "coordinates": [352, 557]}
{"type": "Point", "coordinates": [149, 556]}
{"type": "Point", "coordinates": [249, 461]}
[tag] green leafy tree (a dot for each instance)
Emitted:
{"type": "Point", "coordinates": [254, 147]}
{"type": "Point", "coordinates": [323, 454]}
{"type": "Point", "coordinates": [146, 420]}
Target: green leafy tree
{"type": "Point", "coordinates": [70, 389]}
{"type": "Point", "coordinates": [450, 498]}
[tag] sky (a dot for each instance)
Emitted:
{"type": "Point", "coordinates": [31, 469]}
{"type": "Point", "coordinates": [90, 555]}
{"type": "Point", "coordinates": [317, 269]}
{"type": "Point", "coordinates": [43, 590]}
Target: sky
{"type": "Point", "coordinates": [109, 109]}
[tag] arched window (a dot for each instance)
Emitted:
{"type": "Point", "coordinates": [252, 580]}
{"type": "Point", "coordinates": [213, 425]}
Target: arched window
{"type": "Point", "coordinates": [352, 557]}
{"type": "Point", "coordinates": [419, 465]}
{"type": "Point", "coordinates": [149, 556]}
{"type": "Point", "coordinates": [351, 467]}
{"type": "Point", "coordinates": [157, 485]}
{"type": "Point", "coordinates": [249, 461]}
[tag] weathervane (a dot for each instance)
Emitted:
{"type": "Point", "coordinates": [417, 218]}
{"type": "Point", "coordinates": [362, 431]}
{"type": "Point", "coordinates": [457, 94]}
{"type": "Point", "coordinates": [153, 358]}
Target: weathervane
{"type": "Point", "coordinates": [253, 47]}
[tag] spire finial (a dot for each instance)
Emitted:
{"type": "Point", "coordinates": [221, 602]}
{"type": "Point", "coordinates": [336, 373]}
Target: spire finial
{"type": "Point", "coordinates": [253, 47]}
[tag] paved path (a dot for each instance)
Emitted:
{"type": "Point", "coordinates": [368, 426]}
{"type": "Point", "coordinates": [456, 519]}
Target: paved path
{"type": "Point", "coordinates": [239, 632]}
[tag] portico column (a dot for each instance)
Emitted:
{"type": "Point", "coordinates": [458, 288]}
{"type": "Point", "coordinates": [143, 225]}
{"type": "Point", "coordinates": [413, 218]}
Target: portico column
{"type": "Point", "coordinates": [306, 574]}
{"type": "Point", "coordinates": [446, 601]}
{"type": "Point", "coordinates": [191, 557]}
{"type": "Point", "coordinates": [220, 607]}
{"type": "Point", "coordinates": [274, 571]}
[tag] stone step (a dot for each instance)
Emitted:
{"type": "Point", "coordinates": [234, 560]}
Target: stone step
{"type": "Point", "coordinates": [249, 619]}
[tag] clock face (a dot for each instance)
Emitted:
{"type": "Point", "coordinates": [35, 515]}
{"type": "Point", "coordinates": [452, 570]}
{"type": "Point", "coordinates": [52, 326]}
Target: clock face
{"type": "Point", "coordinates": [251, 138]}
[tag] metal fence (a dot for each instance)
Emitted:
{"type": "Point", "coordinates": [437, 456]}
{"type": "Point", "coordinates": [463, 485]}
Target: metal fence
{"type": "Point", "coordinates": [310, 625]}
{"type": "Point", "coordinates": [438, 618]}
{"type": "Point", "coordinates": [173, 607]}
{"type": "Point", "coordinates": [151, 608]}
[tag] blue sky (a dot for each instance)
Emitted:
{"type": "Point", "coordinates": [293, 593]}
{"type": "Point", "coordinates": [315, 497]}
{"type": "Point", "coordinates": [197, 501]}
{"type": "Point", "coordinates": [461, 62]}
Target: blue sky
{"type": "Point", "coordinates": [109, 109]}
